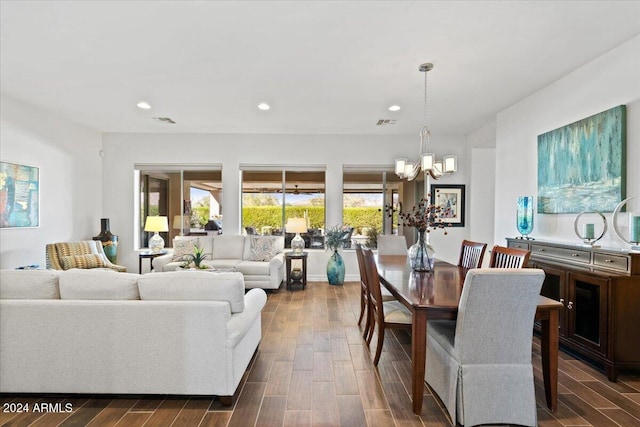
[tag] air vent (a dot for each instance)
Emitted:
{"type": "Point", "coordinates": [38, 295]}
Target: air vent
{"type": "Point", "coordinates": [164, 120]}
{"type": "Point", "coordinates": [384, 122]}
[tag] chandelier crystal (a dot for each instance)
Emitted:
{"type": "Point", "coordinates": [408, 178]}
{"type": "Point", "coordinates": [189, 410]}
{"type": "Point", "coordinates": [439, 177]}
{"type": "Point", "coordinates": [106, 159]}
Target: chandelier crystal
{"type": "Point", "coordinates": [426, 162]}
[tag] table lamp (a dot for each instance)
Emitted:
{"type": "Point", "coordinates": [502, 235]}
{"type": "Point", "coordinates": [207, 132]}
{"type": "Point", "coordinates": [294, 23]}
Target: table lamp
{"type": "Point", "coordinates": [296, 225]}
{"type": "Point", "coordinates": [156, 224]}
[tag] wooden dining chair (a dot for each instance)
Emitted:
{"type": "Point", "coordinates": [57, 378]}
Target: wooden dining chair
{"type": "Point", "coordinates": [502, 257]}
{"type": "Point", "coordinates": [385, 314]}
{"type": "Point", "coordinates": [471, 254]}
{"type": "Point", "coordinates": [364, 293]}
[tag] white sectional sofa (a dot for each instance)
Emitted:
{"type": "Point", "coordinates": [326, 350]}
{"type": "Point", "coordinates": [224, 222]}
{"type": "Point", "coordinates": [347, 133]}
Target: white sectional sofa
{"type": "Point", "coordinates": [260, 259]}
{"type": "Point", "coordinates": [89, 331]}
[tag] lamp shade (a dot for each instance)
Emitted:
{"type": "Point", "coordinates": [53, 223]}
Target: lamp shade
{"type": "Point", "coordinates": [156, 223]}
{"type": "Point", "coordinates": [296, 225]}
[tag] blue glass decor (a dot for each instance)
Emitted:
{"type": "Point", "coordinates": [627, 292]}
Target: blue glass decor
{"type": "Point", "coordinates": [524, 216]}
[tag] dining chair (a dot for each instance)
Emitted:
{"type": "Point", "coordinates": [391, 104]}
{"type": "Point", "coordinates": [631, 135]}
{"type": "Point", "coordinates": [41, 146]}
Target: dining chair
{"type": "Point", "coordinates": [471, 254]}
{"type": "Point", "coordinates": [385, 314]}
{"type": "Point", "coordinates": [392, 245]}
{"type": "Point", "coordinates": [364, 293]}
{"type": "Point", "coordinates": [480, 364]}
{"type": "Point", "coordinates": [502, 257]}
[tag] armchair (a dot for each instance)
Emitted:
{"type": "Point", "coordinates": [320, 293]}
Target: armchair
{"type": "Point", "coordinates": [82, 254]}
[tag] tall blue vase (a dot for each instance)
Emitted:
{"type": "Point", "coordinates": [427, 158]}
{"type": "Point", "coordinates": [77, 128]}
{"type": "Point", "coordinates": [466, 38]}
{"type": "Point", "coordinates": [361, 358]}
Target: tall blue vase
{"type": "Point", "coordinates": [335, 269]}
{"type": "Point", "coordinates": [524, 216]}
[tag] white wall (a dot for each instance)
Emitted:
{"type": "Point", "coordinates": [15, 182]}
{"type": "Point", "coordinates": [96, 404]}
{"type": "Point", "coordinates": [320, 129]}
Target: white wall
{"type": "Point", "coordinates": [610, 80]}
{"type": "Point", "coordinates": [70, 180]}
{"type": "Point", "coordinates": [122, 151]}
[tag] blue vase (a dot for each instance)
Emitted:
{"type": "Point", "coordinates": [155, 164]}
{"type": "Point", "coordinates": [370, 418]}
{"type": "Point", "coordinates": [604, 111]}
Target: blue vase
{"type": "Point", "coordinates": [335, 269]}
{"type": "Point", "coordinates": [524, 216]}
{"type": "Point", "coordinates": [109, 241]}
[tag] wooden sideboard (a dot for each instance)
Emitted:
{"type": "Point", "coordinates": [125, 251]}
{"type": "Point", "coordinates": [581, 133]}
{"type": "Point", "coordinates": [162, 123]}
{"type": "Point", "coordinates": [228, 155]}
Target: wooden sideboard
{"type": "Point", "coordinates": [600, 289]}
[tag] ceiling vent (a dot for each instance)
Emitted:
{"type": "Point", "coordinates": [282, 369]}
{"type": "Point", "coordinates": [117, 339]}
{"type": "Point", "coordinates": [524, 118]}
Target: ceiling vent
{"type": "Point", "coordinates": [164, 120]}
{"type": "Point", "coordinates": [384, 122]}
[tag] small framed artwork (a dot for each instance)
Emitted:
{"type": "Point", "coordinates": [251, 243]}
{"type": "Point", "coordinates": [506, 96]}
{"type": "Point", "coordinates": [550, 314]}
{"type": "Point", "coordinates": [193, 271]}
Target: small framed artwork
{"type": "Point", "coordinates": [450, 198]}
{"type": "Point", "coordinates": [19, 195]}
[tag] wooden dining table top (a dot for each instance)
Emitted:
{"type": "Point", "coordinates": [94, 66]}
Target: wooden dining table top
{"type": "Point", "coordinates": [437, 291]}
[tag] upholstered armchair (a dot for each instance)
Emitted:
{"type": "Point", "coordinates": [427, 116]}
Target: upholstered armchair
{"type": "Point", "coordinates": [82, 254]}
{"type": "Point", "coordinates": [480, 364]}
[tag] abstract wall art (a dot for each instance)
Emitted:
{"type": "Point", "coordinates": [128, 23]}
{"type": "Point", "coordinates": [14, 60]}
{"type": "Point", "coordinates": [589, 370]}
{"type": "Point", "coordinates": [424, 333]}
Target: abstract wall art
{"type": "Point", "coordinates": [581, 166]}
{"type": "Point", "coordinates": [19, 195]}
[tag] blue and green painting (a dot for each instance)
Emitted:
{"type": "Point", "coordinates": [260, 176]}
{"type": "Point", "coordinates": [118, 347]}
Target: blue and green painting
{"type": "Point", "coordinates": [581, 166]}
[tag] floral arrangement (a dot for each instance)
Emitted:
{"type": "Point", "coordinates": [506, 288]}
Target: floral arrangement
{"type": "Point", "coordinates": [196, 259]}
{"type": "Point", "coordinates": [425, 217]}
{"type": "Point", "coordinates": [336, 237]}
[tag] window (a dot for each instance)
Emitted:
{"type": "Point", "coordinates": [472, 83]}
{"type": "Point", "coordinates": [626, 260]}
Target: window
{"type": "Point", "coordinates": [189, 196]}
{"type": "Point", "coordinates": [371, 202]}
{"type": "Point", "coordinates": [271, 197]}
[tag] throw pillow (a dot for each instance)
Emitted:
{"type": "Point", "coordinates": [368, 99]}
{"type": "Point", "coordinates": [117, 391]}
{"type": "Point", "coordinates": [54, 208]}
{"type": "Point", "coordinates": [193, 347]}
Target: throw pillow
{"type": "Point", "coordinates": [182, 248]}
{"type": "Point", "coordinates": [82, 261]}
{"type": "Point", "coordinates": [262, 248]}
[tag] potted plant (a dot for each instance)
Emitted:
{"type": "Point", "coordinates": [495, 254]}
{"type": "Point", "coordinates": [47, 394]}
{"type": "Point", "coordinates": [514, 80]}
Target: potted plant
{"type": "Point", "coordinates": [196, 259]}
{"type": "Point", "coordinates": [335, 238]}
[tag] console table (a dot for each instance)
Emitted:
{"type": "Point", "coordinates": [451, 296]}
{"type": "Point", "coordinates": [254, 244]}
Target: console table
{"type": "Point", "coordinates": [600, 290]}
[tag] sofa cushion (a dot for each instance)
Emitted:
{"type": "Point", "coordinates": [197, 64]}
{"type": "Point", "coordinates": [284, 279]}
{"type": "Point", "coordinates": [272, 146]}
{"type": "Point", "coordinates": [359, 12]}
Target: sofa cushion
{"type": "Point", "coordinates": [253, 268]}
{"type": "Point", "coordinates": [261, 248]}
{"type": "Point", "coordinates": [29, 284]}
{"type": "Point", "coordinates": [193, 286]}
{"type": "Point", "coordinates": [82, 261]}
{"type": "Point", "coordinates": [228, 247]}
{"type": "Point", "coordinates": [183, 247]}
{"type": "Point", "coordinates": [98, 284]}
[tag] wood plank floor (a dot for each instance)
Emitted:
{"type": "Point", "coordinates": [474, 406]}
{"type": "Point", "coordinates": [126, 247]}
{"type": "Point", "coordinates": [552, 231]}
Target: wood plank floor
{"type": "Point", "coordinates": [313, 368]}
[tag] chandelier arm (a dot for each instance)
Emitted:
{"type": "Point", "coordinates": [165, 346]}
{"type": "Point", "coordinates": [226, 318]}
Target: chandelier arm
{"type": "Point", "coordinates": [414, 172]}
{"type": "Point", "coordinates": [433, 174]}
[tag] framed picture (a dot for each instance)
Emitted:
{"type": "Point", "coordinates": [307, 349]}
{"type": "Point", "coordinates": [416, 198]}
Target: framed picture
{"type": "Point", "coordinates": [451, 199]}
{"type": "Point", "coordinates": [19, 195]}
{"type": "Point", "coordinates": [581, 166]}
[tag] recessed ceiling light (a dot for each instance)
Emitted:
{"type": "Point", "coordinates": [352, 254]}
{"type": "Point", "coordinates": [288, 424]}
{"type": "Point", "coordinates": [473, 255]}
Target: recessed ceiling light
{"type": "Point", "coordinates": [264, 106]}
{"type": "Point", "coordinates": [394, 108]}
{"type": "Point", "coordinates": [144, 105]}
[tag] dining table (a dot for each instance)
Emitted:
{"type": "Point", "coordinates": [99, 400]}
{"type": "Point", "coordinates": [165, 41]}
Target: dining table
{"type": "Point", "coordinates": [435, 295]}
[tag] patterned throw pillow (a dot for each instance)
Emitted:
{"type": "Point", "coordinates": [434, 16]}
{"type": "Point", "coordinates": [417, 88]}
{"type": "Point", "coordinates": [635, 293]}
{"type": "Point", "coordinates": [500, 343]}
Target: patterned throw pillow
{"type": "Point", "coordinates": [262, 248]}
{"type": "Point", "coordinates": [82, 261]}
{"type": "Point", "coordinates": [181, 248]}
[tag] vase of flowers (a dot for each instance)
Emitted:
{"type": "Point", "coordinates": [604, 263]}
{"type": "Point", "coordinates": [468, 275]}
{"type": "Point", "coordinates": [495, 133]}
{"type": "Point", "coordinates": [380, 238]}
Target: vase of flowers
{"type": "Point", "coordinates": [335, 238]}
{"type": "Point", "coordinates": [424, 217]}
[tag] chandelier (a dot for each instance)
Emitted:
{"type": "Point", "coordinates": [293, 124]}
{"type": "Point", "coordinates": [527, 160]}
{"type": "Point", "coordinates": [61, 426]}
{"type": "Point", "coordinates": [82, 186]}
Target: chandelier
{"type": "Point", "coordinates": [406, 169]}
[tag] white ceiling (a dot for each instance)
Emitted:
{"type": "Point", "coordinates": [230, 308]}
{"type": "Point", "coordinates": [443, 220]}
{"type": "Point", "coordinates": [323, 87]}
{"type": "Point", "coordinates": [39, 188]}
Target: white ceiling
{"type": "Point", "coordinates": [325, 67]}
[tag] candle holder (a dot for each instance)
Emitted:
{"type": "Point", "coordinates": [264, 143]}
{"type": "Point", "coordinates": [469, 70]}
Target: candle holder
{"type": "Point", "coordinates": [633, 230]}
{"type": "Point", "coordinates": [588, 232]}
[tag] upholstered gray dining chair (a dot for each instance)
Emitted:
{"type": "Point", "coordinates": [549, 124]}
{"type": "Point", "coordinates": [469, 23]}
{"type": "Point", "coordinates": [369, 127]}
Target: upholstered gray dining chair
{"type": "Point", "coordinates": [391, 245]}
{"type": "Point", "coordinates": [480, 364]}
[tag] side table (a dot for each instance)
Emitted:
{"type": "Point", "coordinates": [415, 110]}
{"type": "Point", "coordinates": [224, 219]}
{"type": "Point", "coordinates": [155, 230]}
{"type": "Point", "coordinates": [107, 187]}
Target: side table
{"type": "Point", "coordinates": [301, 277]}
{"type": "Point", "coordinates": [150, 256]}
